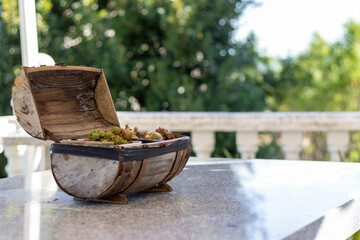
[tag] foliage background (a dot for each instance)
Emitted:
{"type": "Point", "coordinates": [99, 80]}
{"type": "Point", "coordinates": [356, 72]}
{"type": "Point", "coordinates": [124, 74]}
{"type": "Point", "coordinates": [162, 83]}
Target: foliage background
{"type": "Point", "coordinates": [180, 55]}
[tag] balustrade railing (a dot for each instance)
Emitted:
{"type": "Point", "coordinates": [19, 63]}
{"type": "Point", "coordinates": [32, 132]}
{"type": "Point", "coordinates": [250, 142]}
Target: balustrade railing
{"type": "Point", "coordinates": [28, 154]}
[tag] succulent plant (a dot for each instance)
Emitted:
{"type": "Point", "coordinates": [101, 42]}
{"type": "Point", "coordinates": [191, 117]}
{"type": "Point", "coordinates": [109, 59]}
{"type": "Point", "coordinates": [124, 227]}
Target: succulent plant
{"type": "Point", "coordinates": [123, 142]}
{"type": "Point", "coordinates": [116, 140]}
{"type": "Point", "coordinates": [116, 130]}
{"type": "Point", "coordinates": [124, 135]}
{"type": "Point", "coordinates": [108, 135]}
{"type": "Point", "coordinates": [156, 136]}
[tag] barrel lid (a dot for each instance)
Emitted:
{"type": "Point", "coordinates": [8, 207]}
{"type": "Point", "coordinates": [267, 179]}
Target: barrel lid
{"type": "Point", "coordinates": [62, 102]}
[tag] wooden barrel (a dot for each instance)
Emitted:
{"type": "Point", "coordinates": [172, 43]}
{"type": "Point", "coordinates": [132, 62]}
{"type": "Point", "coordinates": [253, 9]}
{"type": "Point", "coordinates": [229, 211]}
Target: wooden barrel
{"type": "Point", "coordinates": [83, 175]}
{"type": "Point", "coordinates": [68, 102]}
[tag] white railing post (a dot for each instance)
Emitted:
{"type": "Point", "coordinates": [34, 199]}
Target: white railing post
{"type": "Point", "coordinates": [337, 143]}
{"type": "Point", "coordinates": [203, 143]}
{"type": "Point", "coordinates": [291, 144]}
{"type": "Point", "coordinates": [247, 144]}
{"type": "Point", "coordinates": [15, 165]}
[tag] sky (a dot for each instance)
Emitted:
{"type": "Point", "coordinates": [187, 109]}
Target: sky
{"type": "Point", "coordinates": [285, 27]}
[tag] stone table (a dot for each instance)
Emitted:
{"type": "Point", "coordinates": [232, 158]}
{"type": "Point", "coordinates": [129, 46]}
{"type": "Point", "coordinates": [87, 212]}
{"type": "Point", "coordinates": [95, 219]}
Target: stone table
{"type": "Point", "coordinates": [212, 199]}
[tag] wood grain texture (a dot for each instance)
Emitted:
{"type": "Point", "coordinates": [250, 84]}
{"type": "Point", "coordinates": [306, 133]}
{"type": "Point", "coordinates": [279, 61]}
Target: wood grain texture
{"type": "Point", "coordinates": [62, 107]}
{"type": "Point", "coordinates": [65, 100]}
{"type": "Point", "coordinates": [157, 170]}
{"type": "Point", "coordinates": [64, 95]}
{"type": "Point", "coordinates": [133, 171]}
{"type": "Point", "coordinates": [25, 108]}
{"type": "Point", "coordinates": [185, 158]}
{"type": "Point", "coordinates": [49, 68]}
{"type": "Point", "coordinates": [139, 176]}
{"type": "Point", "coordinates": [135, 168]}
{"type": "Point", "coordinates": [74, 177]}
{"type": "Point", "coordinates": [159, 188]}
{"type": "Point", "coordinates": [89, 143]}
{"type": "Point", "coordinates": [104, 101]}
{"type": "Point", "coordinates": [123, 172]}
{"type": "Point", "coordinates": [174, 168]}
{"type": "Point", "coordinates": [83, 177]}
{"type": "Point", "coordinates": [160, 169]}
{"type": "Point", "coordinates": [114, 199]}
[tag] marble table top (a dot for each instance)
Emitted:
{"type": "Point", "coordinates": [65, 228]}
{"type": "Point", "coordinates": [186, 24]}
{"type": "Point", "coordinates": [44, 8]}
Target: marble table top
{"type": "Point", "coordinates": [212, 199]}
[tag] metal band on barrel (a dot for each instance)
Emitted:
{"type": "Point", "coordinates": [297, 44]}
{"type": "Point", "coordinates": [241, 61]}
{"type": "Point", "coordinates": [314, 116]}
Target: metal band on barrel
{"type": "Point", "coordinates": [116, 154]}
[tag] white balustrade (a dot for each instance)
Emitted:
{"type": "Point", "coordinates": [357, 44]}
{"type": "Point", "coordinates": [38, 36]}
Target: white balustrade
{"type": "Point", "coordinates": [291, 143]}
{"type": "Point", "coordinates": [247, 144]}
{"type": "Point", "coordinates": [15, 165]}
{"type": "Point", "coordinates": [202, 126]}
{"type": "Point", "coordinates": [203, 143]}
{"type": "Point", "coordinates": [337, 143]}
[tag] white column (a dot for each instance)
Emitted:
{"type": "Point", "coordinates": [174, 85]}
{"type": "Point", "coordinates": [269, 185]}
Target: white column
{"type": "Point", "coordinates": [247, 144]}
{"type": "Point", "coordinates": [337, 143]}
{"type": "Point", "coordinates": [203, 143]}
{"type": "Point", "coordinates": [15, 165]}
{"type": "Point", "coordinates": [291, 144]}
{"type": "Point", "coordinates": [28, 33]}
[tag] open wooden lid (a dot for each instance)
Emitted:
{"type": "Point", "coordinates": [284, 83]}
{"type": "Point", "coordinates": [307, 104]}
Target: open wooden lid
{"type": "Point", "coordinates": [62, 102]}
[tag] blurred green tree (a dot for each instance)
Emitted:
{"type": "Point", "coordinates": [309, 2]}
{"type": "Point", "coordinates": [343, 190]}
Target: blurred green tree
{"type": "Point", "coordinates": [325, 78]}
{"type": "Point", "coordinates": [10, 53]}
{"type": "Point", "coordinates": [159, 55]}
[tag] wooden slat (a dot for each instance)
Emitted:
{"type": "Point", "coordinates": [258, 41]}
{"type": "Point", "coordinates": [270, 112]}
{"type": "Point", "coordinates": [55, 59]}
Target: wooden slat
{"type": "Point", "coordinates": [187, 153]}
{"type": "Point", "coordinates": [47, 94]}
{"type": "Point", "coordinates": [160, 164]}
{"type": "Point", "coordinates": [64, 67]}
{"type": "Point", "coordinates": [184, 159]}
{"type": "Point", "coordinates": [60, 107]}
{"type": "Point", "coordinates": [63, 79]}
{"type": "Point", "coordinates": [73, 125]}
{"type": "Point", "coordinates": [80, 119]}
{"type": "Point", "coordinates": [83, 177]}
{"type": "Point", "coordinates": [140, 174]}
{"type": "Point", "coordinates": [149, 181]}
{"type": "Point", "coordinates": [123, 174]}
{"type": "Point", "coordinates": [77, 134]}
{"type": "Point", "coordinates": [136, 166]}
{"type": "Point", "coordinates": [175, 167]}
{"type": "Point", "coordinates": [88, 143]}
{"type": "Point", "coordinates": [67, 129]}
{"type": "Point", "coordinates": [26, 112]}
{"type": "Point", "coordinates": [104, 101]}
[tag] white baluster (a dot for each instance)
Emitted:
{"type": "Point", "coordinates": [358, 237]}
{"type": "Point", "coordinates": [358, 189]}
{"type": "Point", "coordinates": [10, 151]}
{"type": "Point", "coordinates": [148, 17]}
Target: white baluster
{"type": "Point", "coordinates": [14, 155]}
{"type": "Point", "coordinates": [292, 144]}
{"type": "Point", "coordinates": [337, 142]}
{"type": "Point", "coordinates": [203, 143]}
{"type": "Point", "coordinates": [29, 159]}
{"type": "Point", "coordinates": [247, 144]}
